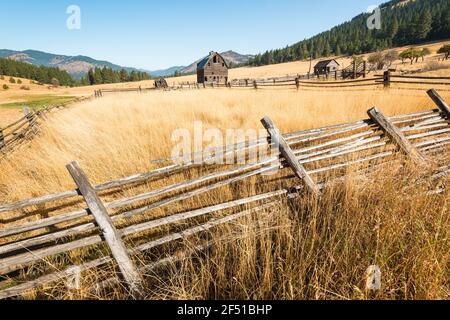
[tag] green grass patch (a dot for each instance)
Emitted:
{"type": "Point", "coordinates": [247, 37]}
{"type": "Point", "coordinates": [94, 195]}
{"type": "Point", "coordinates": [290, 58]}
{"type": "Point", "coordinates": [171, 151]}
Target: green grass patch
{"type": "Point", "coordinates": [38, 102]}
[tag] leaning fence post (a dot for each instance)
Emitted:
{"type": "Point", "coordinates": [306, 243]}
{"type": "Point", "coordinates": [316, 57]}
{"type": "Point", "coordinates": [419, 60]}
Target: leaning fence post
{"type": "Point", "coordinates": [440, 102]}
{"type": "Point", "coordinates": [288, 154]}
{"type": "Point", "coordinates": [2, 139]}
{"type": "Point", "coordinates": [109, 231]}
{"type": "Point", "coordinates": [387, 79]}
{"type": "Point", "coordinates": [396, 135]}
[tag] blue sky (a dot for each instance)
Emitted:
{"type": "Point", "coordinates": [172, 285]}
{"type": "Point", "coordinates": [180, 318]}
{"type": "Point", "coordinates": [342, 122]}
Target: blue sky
{"type": "Point", "coordinates": [160, 34]}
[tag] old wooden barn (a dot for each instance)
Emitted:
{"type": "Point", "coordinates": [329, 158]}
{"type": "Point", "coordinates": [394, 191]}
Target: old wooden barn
{"type": "Point", "coordinates": [212, 69]}
{"type": "Point", "coordinates": [326, 66]}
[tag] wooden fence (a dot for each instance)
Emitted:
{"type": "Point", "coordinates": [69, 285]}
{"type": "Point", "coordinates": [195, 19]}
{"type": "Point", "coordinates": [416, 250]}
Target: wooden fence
{"type": "Point", "coordinates": [310, 81]}
{"type": "Point", "coordinates": [43, 240]}
{"type": "Point", "coordinates": [16, 133]}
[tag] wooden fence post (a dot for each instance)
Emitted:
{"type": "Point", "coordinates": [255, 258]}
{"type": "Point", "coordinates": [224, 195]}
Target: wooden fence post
{"type": "Point", "coordinates": [255, 85]}
{"type": "Point", "coordinates": [109, 231]}
{"type": "Point", "coordinates": [297, 83]}
{"type": "Point", "coordinates": [440, 102]}
{"type": "Point", "coordinates": [354, 69]}
{"type": "Point", "coordinates": [28, 114]}
{"type": "Point", "coordinates": [396, 135]}
{"type": "Point", "coordinates": [387, 79]}
{"type": "Point", "coordinates": [2, 139]}
{"type": "Point", "coordinates": [289, 155]}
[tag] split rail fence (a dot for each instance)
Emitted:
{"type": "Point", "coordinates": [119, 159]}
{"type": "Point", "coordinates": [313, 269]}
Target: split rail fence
{"type": "Point", "coordinates": [23, 129]}
{"type": "Point", "coordinates": [46, 239]}
{"type": "Point", "coordinates": [298, 82]}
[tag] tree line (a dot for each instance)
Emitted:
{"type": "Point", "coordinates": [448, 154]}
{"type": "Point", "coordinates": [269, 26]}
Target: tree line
{"type": "Point", "coordinates": [55, 76]}
{"type": "Point", "coordinates": [40, 74]}
{"type": "Point", "coordinates": [402, 24]}
{"type": "Point", "coordinates": [107, 75]}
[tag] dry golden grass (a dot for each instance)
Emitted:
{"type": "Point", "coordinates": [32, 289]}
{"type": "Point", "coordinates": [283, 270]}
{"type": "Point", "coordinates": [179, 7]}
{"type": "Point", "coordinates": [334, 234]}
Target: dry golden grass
{"type": "Point", "coordinates": [308, 249]}
{"type": "Point", "coordinates": [320, 249]}
{"type": "Point", "coordinates": [124, 132]}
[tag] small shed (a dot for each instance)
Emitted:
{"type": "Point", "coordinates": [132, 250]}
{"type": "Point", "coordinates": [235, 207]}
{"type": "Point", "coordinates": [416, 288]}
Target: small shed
{"type": "Point", "coordinates": [326, 66]}
{"type": "Point", "coordinates": [161, 83]}
{"type": "Point", "coordinates": [212, 69]}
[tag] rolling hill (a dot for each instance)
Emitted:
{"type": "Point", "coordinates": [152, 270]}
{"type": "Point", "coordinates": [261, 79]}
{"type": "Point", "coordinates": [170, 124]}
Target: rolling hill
{"type": "Point", "coordinates": [76, 66]}
{"type": "Point", "coordinates": [403, 22]}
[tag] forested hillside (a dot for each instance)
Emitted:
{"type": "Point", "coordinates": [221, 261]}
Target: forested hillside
{"type": "Point", "coordinates": [403, 23]}
{"type": "Point", "coordinates": [48, 75]}
{"type": "Point", "coordinates": [40, 74]}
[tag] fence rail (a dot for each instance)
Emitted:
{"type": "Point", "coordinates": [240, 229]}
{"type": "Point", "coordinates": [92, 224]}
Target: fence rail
{"type": "Point", "coordinates": [23, 129]}
{"type": "Point", "coordinates": [38, 235]}
{"type": "Point", "coordinates": [308, 81]}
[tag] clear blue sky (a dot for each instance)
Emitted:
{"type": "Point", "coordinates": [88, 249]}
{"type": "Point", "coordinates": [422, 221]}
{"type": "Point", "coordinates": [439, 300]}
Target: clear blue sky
{"type": "Point", "coordinates": [156, 34]}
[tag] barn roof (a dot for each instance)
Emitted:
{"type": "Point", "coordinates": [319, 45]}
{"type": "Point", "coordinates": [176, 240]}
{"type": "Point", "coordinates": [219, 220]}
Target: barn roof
{"type": "Point", "coordinates": [205, 60]}
{"type": "Point", "coordinates": [324, 63]}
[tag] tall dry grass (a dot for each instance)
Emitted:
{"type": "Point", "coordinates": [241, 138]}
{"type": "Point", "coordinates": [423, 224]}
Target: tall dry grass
{"type": "Point", "coordinates": [320, 248]}
{"type": "Point", "coordinates": [119, 135]}
{"type": "Point", "coordinates": [307, 249]}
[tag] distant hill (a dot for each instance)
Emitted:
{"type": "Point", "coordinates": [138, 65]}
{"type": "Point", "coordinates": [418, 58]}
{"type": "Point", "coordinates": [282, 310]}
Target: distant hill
{"type": "Point", "coordinates": [231, 57]}
{"type": "Point", "coordinates": [76, 66]}
{"type": "Point", "coordinates": [403, 22]}
{"type": "Point", "coordinates": [79, 66]}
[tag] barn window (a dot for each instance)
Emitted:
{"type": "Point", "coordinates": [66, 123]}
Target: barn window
{"type": "Point", "coordinates": [223, 64]}
{"type": "Point", "coordinates": [206, 78]}
{"type": "Point", "coordinates": [209, 64]}
{"type": "Point", "coordinates": [215, 59]}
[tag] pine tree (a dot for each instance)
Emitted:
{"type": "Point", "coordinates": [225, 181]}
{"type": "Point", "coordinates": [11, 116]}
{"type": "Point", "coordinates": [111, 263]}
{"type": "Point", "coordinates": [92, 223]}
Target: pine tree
{"type": "Point", "coordinates": [424, 26]}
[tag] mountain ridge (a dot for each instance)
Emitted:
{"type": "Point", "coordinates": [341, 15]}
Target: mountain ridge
{"type": "Point", "coordinates": [79, 65]}
{"type": "Point", "coordinates": [230, 56]}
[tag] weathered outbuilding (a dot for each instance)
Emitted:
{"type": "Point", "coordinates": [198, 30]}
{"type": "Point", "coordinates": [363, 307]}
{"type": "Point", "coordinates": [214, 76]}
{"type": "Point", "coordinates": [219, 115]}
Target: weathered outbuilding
{"type": "Point", "coordinates": [326, 66]}
{"type": "Point", "coordinates": [212, 69]}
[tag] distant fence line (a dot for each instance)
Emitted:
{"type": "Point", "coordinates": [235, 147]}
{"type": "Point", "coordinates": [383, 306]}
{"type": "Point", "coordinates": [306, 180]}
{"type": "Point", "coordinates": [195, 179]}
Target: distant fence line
{"type": "Point", "coordinates": [51, 226]}
{"type": "Point", "coordinates": [329, 81]}
{"type": "Point", "coordinates": [21, 130]}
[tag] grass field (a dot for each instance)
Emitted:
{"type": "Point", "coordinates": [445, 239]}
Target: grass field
{"type": "Point", "coordinates": [38, 102]}
{"type": "Point", "coordinates": [305, 249]}
{"type": "Point", "coordinates": [312, 249]}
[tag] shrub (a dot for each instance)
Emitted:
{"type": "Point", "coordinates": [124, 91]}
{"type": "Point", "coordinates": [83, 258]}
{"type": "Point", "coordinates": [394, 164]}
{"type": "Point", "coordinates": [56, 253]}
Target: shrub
{"type": "Point", "coordinates": [55, 82]}
{"type": "Point", "coordinates": [12, 80]}
{"type": "Point", "coordinates": [2, 77]}
{"type": "Point", "coordinates": [19, 81]}
{"type": "Point", "coordinates": [445, 50]}
{"type": "Point", "coordinates": [25, 88]}
{"type": "Point", "coordinates": [5, 87]}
